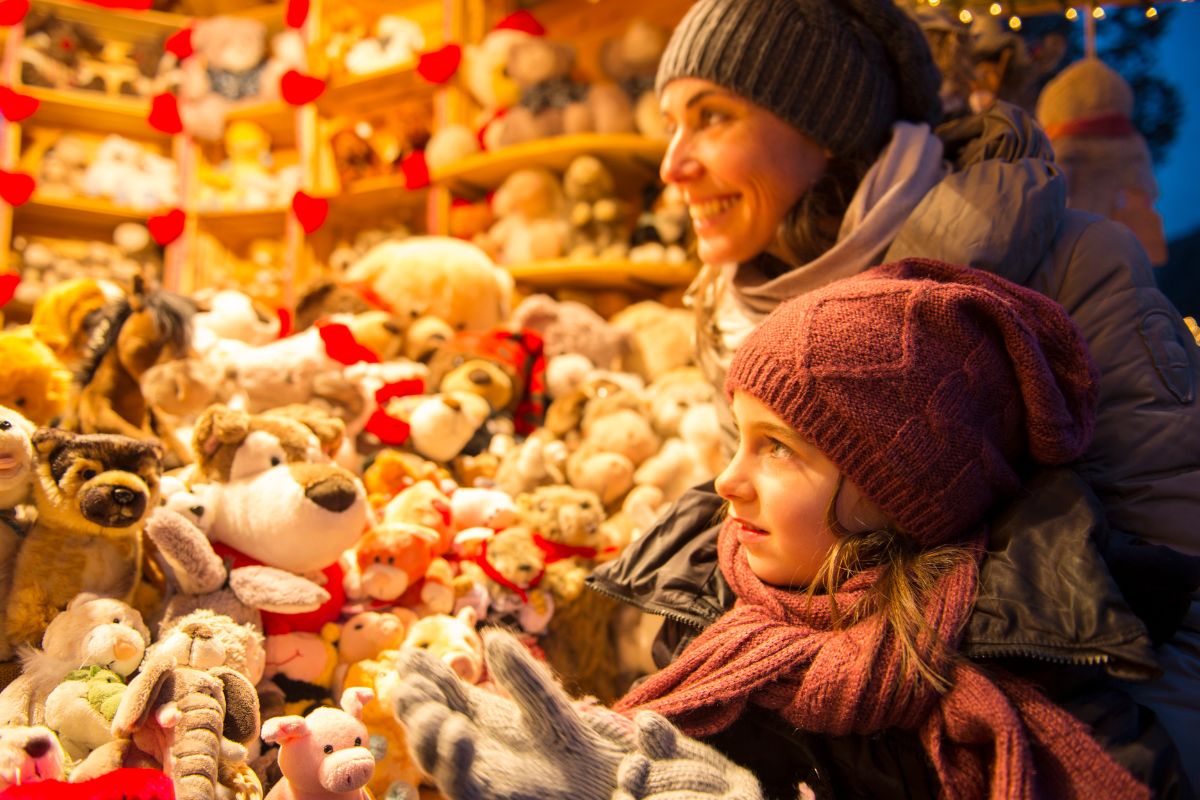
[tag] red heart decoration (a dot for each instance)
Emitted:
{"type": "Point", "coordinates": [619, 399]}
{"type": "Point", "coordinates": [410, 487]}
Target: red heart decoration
{"type": "Point", "coordinates": [416, 171]}
{"type": "Point", "coordinates": [311, 211]}
{"type": "Point", "coordinates": [13, 11]}
{"type": "Point", "coordinates": [164, 114]}
{"type": "Point", "coordinates": [299, 88]}
{"type": "Point", "coordinates": [521, 21]}
{"type": "Point", "coordinates": [166, 228]}
{"type": "Point", "coordinates": [8, 287]}
{"type": "Point", "coordinates": [297, 12]}
{"type": "Point", "coordinates": [439, 66]}
{"type": "Point", "coordinates": [179, 44]}
{"type": "Point", "coordinates": [16, 187]}
{"type": "Point", "coordinates": [16, 107]}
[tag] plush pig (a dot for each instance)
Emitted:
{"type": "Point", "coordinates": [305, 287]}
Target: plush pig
{"type": "Point", "coordinates": [323, 755]}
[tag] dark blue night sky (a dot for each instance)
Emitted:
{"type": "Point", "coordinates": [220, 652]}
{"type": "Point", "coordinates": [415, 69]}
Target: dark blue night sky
{"type": "Point", "coordinates": [1179, 174]}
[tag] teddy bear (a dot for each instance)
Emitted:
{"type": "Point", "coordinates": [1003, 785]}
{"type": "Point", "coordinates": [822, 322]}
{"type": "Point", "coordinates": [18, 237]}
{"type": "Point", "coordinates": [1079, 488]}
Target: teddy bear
{"type": "Point", "coordinates": [436, 276]}
{"type": "Point", "coordinates": [511, 565]}
{"type": "Point", "coordinates": [397, 40]}
{"type": "Point", "coordinates": [131, 175]}
{"type": "Point", "coordinates": [92, 494]}
{"type": "Point", "coordinates": [663, 231]}
{"type": "Point", "coordinates": [230, 66]}
{"type": "Point", "coordinates": [568, 326]}
{"type": "Point", "coordinates": [506, 368]}
{"type": "Point", "coordinates": [91, 630]}
{"type": "Point", "coordinates": [539, 460]}
{"type": "Point", "coordinates": [278, 489]}
{"type": "Point", "coordinates": [631, 60]}
{"type": "Point", "coordinates": [51, 49]}
{"type": "Point", "coordinates": [323, 754]}
{"type": "Point", "coordinates": [391, 471]}
{"type": "Point", "coordinates": [443, 425]}
{"type": "Point", "coordinates": [388, 565]}
{"type": "Point", "coordinates": [597, 215]}
{"type": "Point", "coordinates": [365, 635]}
{"type": "Point", "coordinates": [453, 639]}
{"type": "Point", "coordinates": [449, 144]}
{"type": "Point", "coordinates": [1086, 111]}
{"type": "Point", "coordinates": [551, 102]}
{"type": "Point", "coordinates": [243, 181]}
{"type": "Point", "coordinates": [36, 384]}
{"type": "Point", "coordinates": [476, 507]}
{"type": "Point", "coordinates": [529, 208]}
{"type": "Point", "coordinates": [614, 445]}
{"type": "Point", "coordinates": [661, 338]}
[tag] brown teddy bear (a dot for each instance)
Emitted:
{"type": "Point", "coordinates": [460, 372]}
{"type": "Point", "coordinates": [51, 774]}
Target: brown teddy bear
{"type": "Point", "coordinates": [92, 495]}
{"type": "Point", "coordinates": [599, 218]}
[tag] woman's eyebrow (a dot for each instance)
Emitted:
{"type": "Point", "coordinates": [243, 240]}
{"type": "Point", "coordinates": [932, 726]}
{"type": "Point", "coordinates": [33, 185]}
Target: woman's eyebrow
{"type": "Point", "coordinates": [704, 93]}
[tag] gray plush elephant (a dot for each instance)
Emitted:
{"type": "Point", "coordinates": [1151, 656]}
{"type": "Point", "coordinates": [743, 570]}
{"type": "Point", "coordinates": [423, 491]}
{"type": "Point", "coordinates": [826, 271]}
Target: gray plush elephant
{"type": "Point", "coordinates": [186, 709]}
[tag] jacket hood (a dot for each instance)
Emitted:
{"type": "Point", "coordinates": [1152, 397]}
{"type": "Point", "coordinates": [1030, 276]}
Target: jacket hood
{"type": "Point", "coordinates": [1000, 208]}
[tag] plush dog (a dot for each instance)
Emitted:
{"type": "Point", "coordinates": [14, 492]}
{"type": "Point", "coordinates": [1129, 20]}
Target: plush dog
{"type": "Point", "coordinates": [92, 493]}
{"type": "Point", "coordinates": [28, 755]}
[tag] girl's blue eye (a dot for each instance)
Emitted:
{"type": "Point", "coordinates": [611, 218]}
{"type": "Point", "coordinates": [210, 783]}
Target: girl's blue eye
{"type": "Point", "coordinates": [710, 117]}
{"type": "Point", "coordinates": [779, 449]}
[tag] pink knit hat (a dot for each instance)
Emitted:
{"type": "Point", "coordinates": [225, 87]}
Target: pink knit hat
{"type": "Point", "coordinates": [928, 384]}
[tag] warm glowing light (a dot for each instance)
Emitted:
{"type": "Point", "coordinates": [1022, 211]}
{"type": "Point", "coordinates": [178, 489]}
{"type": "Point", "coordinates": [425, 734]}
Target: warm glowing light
{"type": "Point", "coordinates": [965, 17]}
{"type": "Point", "coordinates": [1151, 12]}
{"type": "Point", "coordinates": [1072, 14]}
{"type": "Point", "coordinates": [934, 3]}
{"type": "Point", "coordinates": [1014, 22]}
{"type": "Point", "coordinates": [1098, 12]}
{"type": "Point", "coordinates": [994, 9]}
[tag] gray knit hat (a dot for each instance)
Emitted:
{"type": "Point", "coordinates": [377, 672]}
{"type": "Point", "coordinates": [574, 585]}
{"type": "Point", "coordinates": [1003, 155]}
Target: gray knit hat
{"type": "Point", "coordinates": [840, 71]}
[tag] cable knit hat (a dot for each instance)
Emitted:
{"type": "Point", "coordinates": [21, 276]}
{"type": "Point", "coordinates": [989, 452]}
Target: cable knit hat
{"type": "Point", "coordinates": [928, 385]}
{"type": "Point", "coordinates": [840, 71]}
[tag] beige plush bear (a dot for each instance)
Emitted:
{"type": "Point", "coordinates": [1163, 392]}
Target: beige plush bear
{"type": "Point", "coordinates": [529, 208]}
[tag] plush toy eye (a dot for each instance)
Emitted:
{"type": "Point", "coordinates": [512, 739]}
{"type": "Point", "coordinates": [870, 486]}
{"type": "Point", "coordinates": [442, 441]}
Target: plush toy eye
{"type": "Point", "coordinates": [276, 461]}
{"type": "Point", "coordinates": [358, 741]}
{"type": "Point", "coordinates": [19, 402]}
{"type": "Point", "coordinates": [328, 748]}
{"type": "Point", "coordinates": [5, 425]}
{"type": "Point", "coordinates": [391, 559]}
{"type": "Point", "coordinates": [87, 474]}
{"type": "Point", "coordinates": [116, 620]}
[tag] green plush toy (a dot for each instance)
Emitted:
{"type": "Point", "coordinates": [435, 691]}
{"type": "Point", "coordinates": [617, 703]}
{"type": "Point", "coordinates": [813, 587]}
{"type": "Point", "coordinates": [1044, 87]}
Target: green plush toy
{"type": "Point", "coordinates": [81, 709]}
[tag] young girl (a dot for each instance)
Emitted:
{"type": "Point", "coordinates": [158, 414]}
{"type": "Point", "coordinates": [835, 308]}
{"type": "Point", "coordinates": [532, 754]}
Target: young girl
{"type": "Point", "coordinates": [881, 420]}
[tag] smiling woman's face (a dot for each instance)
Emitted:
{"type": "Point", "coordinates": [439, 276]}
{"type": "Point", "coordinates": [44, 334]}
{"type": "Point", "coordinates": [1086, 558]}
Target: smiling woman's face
{"type": "Point", "coordinates": [740, 167]}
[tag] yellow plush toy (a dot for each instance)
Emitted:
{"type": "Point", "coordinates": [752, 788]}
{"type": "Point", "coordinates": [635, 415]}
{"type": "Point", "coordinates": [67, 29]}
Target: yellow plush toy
{"type": "Point", "coordinates": [35, 381]}
{"type": "Point", "coordinates": [63, 317]}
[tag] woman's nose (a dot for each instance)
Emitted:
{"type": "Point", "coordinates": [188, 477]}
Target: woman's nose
{"type": "Point", "coordinates": [679, 164]}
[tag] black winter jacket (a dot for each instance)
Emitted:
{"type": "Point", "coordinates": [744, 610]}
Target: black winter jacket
{"type": "Point", "coordinates": [1048, 610]}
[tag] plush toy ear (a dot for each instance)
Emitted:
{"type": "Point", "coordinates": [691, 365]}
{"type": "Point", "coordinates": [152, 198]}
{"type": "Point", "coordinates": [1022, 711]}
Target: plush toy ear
{"type": "Point", "coordinates": [241, 706]}
{"type": "Point", "coordinates": [217, 426]}
{"type": "Point", "coordinates": [45, 440]}
{"type": "Point", "coordinates": [281, 730]}
{"type": "Point", "coordinates": [468, 616]}
{"type": "Point", "coordinates": [354, 698]}
{"type": "Point", "coordinates": [138, 700]}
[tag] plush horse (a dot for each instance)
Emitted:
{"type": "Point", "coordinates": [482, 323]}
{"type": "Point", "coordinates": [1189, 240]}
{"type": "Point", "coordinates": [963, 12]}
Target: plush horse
{"type": "Point", "coordinates": [135, 333]}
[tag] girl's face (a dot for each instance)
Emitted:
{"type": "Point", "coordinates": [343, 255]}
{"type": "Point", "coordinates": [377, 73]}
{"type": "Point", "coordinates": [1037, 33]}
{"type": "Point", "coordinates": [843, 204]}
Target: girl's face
{"type": "Point", "coordinates": [778, 487]}
{"type": "Point", "coordinates": [739, 167]}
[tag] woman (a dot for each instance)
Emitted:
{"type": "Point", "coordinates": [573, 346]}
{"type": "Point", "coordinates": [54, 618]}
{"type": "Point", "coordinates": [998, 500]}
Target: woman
{"type": "Point", "coordinates": [801, 139]}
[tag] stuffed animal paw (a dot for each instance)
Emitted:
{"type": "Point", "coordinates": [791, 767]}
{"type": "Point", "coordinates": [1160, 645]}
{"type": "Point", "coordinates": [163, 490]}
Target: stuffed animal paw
{"type": "Point", "coordinates": [669, 766]}
{"type": "Point", "coordinates": [481, 746]}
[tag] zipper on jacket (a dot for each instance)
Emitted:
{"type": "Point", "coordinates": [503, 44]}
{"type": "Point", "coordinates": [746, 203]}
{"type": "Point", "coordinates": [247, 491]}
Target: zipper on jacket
{"type": "Point", "coordinates": [691, 620]}
{"type": "Point", "coordinates": [1038, 654]}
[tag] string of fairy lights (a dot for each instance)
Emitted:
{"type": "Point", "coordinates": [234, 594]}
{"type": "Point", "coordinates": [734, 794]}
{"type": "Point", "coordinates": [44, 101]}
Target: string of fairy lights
{"type": "Point", "coordinates": [1095, 10]}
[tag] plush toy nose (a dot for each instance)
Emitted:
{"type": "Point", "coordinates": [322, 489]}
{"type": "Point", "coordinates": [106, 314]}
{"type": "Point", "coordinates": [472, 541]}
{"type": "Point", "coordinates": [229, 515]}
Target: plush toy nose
{"type": "Point", "coordinates": [38, 746]}
{"type": "Point", "coordinates": [332, 494]}
{"type": "Point", "coordinates": [124, 649]}
{"type": "Point", "coordinates": [123, 496]}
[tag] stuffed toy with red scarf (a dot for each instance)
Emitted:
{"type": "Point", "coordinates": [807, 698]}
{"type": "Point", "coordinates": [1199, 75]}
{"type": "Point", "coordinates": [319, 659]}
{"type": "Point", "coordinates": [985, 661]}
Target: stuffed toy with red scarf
{"type": "Point", "coordinates": [506, 368]}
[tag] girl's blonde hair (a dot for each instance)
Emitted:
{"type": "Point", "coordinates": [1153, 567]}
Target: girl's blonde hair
{"type": "Point", "coordinates": [909, 574]}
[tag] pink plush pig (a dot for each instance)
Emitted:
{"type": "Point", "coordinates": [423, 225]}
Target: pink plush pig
{"type": "Point", "coordinates": [323, 756]}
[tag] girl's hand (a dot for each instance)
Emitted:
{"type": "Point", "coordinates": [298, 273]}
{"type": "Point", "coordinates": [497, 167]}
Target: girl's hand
{"type": "Point", "coordinates": [480, 746]}
{"type": "Point", "coordinates": [670, 766]}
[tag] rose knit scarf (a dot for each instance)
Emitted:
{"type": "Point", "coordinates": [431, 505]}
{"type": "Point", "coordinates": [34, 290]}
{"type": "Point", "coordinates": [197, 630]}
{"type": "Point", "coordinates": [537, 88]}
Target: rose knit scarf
{"type": "Point", "coordinates": [777, 649]}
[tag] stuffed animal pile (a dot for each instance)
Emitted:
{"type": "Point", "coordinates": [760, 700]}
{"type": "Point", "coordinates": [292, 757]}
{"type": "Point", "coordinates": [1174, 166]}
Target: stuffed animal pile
{"type": "Point", "coordinates": [220, 532]}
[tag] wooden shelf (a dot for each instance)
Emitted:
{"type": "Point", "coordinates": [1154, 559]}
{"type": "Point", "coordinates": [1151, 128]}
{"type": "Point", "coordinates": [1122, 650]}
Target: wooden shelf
{"type": "Point", "coordinates": [361, 94]}
{"type": "Point", "coordinates": [125, 24]}
{"type": "Point", "coordinates": [56, 216]}
{"type": "Point", "coordinates": [270, 223]}
{"type": "Point", "coordinates": [277, 118]}
{"type": "Point", "coordinates": [377, 195]}
{"type": "Point", "coordinates": [93, 111]}
{"type": "Point", "coordinates": [629, 155]}
{"type": "Point", "coordinates": [561, 273]}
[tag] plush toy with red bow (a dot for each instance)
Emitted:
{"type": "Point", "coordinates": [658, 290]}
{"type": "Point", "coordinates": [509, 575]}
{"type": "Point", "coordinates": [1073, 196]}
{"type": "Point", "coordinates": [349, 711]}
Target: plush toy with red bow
{"type": "Point", "coordinates": [507, 368]}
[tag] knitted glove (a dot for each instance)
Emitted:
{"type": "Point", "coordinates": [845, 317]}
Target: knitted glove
{"type": "Point", "coordinates": [670, 766]}
{"type": "Point", "coordinates": [478, 745]}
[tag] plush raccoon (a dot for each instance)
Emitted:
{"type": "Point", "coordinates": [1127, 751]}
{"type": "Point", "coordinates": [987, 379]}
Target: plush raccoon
{"type": "Point", "coordinates": [92, 494]}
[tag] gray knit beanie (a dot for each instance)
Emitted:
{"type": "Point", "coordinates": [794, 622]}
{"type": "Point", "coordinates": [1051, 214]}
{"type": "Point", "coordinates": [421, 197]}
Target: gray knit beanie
{"type": "Point", "coordinates": [840, 71]}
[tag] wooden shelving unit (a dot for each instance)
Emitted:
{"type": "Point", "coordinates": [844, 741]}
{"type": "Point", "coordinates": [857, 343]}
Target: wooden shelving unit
{"type": "Point", "coordinates": [621, 275]}
{"type": "Point", "coordinates": [125, 116]}
{"type": "Point", "coordinates": [56, 214]}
